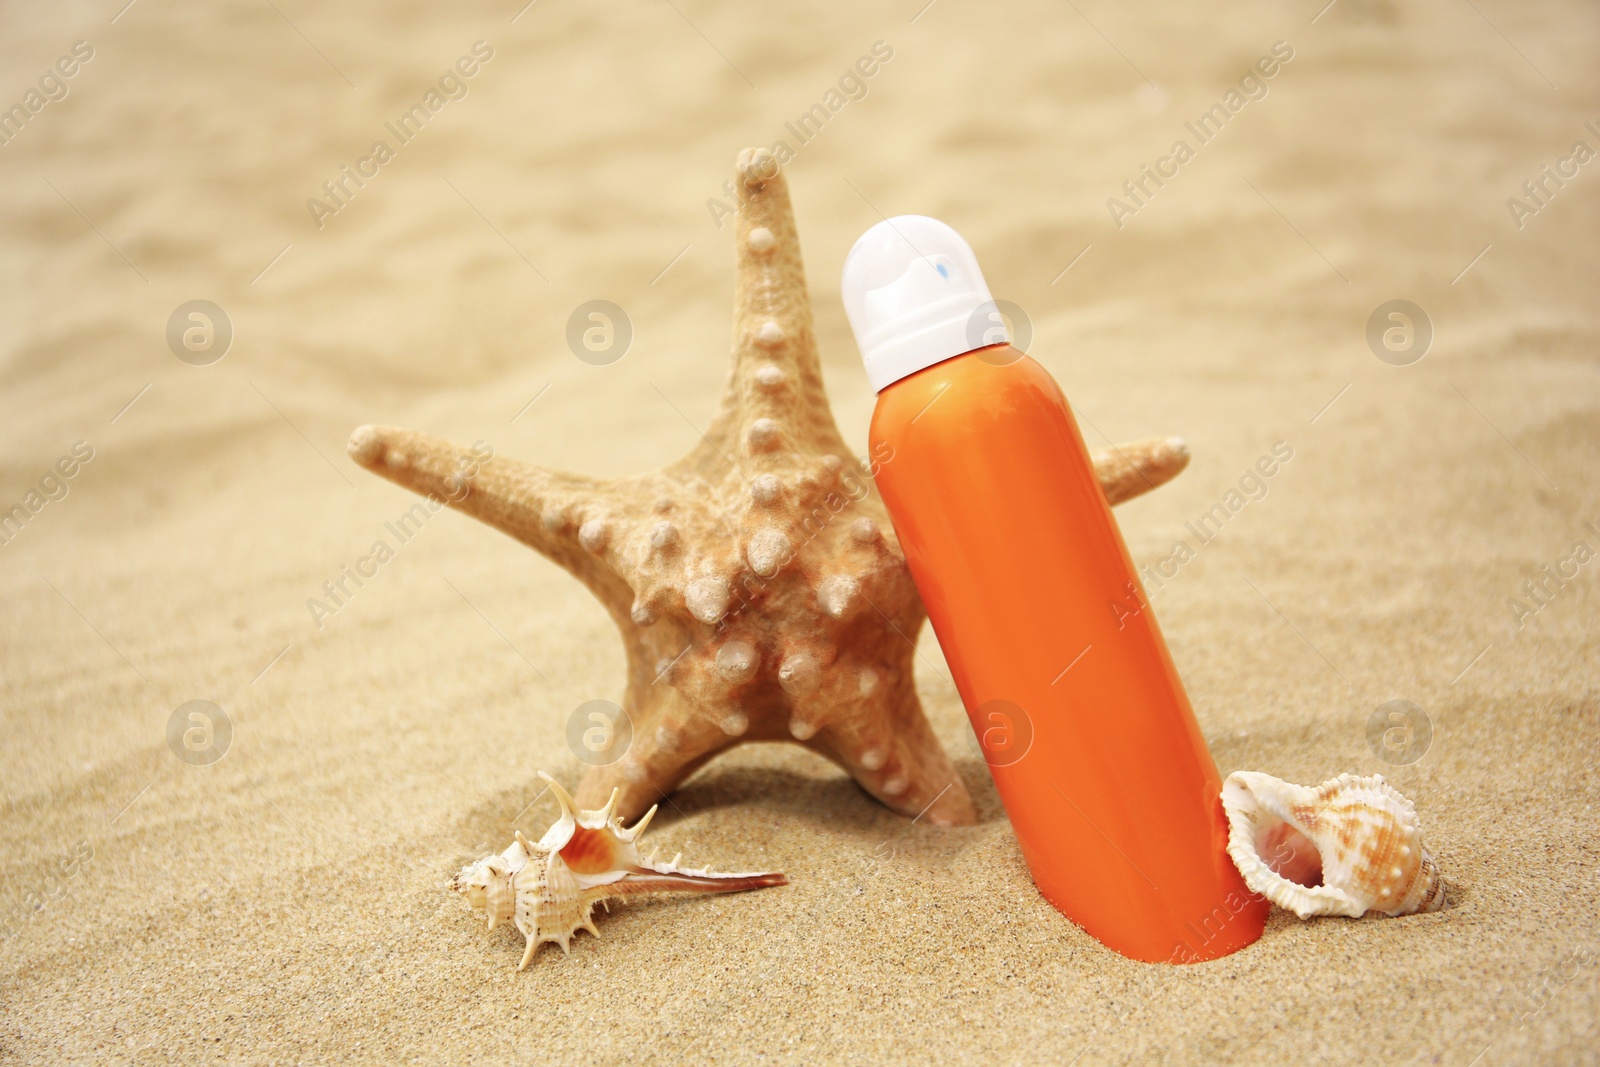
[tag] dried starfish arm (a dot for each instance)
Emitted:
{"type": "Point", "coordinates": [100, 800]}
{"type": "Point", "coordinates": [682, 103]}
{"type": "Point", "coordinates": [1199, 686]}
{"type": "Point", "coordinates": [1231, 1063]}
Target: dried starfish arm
{"type": "Point", "coordinates": [776, 369]}
{"type": "Point", "coordinates": [533, 504]}
{"type": "Point", "coordinates": [1133, 469]}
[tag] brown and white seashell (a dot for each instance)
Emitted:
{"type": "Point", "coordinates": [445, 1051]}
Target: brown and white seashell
{"type": "Point", "coordinates": [1347, 847]}
{"type": "Point", "coordinates": [550, 888]}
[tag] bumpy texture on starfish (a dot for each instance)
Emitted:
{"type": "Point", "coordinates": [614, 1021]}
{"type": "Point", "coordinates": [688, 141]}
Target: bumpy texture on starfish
{"type": "Point", "coordinates": [758, 586]}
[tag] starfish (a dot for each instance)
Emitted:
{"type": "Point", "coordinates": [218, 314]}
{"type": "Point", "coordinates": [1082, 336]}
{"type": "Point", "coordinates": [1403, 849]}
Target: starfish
{"type": "Point", "coordinates": [757, 583]}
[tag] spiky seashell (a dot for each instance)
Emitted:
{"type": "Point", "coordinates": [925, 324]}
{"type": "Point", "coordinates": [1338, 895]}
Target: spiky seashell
{"type": "Point", "coordinates": [1347, 847]}
{"type": "Point", "coordinates": [549, 889]}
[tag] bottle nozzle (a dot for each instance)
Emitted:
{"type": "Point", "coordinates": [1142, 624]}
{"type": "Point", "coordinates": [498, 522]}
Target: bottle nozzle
{"type": "Point", "coordinates": [912, 289]}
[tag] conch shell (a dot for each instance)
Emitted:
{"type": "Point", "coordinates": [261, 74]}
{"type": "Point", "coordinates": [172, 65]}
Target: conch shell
{"type": "Point", "coordinates": [549, 889]}
{"type": "Point", "coordinates": [1347, 847]}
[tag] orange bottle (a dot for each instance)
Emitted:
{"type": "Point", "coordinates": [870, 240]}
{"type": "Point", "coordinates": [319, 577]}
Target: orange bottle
{"type": "Point", "coordinates": [1082, 718]}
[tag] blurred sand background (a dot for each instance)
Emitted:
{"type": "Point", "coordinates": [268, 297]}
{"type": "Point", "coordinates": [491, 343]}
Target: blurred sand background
{"type": "Point", "coordinates": [286, 904]}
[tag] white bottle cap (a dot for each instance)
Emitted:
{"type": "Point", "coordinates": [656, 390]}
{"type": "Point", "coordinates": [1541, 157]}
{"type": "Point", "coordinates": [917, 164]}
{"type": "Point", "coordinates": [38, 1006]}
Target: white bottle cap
{"type": "Point", "coordinates": [915, 297]}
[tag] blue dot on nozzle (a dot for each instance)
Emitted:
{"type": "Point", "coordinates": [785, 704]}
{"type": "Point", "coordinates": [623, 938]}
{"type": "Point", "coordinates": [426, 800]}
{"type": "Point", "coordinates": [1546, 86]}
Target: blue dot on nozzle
{"type": "Point", "coordinates": [943, 272]}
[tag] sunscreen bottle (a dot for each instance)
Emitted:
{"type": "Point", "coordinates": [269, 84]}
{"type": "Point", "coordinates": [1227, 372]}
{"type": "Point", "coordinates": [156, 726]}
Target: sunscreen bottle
{"type": "Point", "coordinates": [1075, 701]}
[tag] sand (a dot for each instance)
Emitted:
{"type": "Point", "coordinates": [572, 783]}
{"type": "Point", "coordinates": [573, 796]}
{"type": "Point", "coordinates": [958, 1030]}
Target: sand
{"type": "Point", "coordinates": [287, 905]}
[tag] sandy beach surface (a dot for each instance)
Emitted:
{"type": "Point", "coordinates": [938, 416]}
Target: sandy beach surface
{"type": "Point", "coordinates": [287, 903]}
